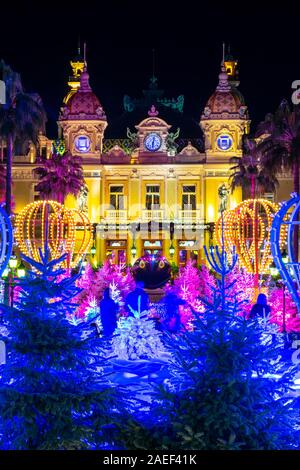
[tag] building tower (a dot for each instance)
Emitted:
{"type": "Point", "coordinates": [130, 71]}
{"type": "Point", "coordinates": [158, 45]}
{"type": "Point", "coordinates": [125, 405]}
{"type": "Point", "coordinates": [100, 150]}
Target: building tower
{"type": "Point", "coordinates": [225, 118]}
{"type": "Point", "coordinates": [82, 121]}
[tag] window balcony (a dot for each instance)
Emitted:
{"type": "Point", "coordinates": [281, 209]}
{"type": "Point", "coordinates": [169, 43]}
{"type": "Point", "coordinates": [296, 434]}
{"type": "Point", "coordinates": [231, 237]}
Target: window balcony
{"type": "Point", "coordinates": [116, 215]}
{"type": "Point", "coordinates": [155, 214]}
{"type": "Point", "coordinates": [188, 215]}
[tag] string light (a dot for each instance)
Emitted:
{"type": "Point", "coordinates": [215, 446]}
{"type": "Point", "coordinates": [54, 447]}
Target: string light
{"type": "Point", "coordinates": [253, 249]}
{"type": "Point", "coordinates": [62, 228]}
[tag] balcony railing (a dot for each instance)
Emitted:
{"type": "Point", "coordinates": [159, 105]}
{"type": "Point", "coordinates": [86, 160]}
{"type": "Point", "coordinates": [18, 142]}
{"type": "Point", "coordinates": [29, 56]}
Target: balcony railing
{"type": "Point", "coordinates": [187, 215]}
{"type": "Point", "coordinates": [155, 214]}
{"type": "Point", "coordinates": [116, 214]}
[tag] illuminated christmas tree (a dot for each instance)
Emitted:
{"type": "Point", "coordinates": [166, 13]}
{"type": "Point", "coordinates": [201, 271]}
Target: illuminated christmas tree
{"type": "Point", "coordinates": [191, 285]}
{"type": "Point", "coordinates": [228, 387]}
{"type": "Point", "coordinates": [283, 310]}
{"type": "Point", "coordinates": [137, 338]}
{"type": "Point", "coordinates": [53, 390]}
{"type": "Point", "coordinates": [241, 287]}
{"type": "Point", "coordinates": [117, 277]}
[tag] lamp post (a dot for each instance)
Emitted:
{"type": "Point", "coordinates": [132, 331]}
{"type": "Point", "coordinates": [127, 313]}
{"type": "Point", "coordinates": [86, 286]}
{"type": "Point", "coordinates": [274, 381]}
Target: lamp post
{"type": "Point", "coordinates": [93, 250]}
{"type": "Point", "coordinates": [133, 250]}
{"type": "Point", "coordinates": [13, 270]}
{"type": "Point", "coordinates": [172, 250]}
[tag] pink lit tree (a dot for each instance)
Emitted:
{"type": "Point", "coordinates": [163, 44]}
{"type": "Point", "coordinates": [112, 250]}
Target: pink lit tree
{"type": "Point", "coordinates": [242, 288]}
{"type": "Point", "coordinates": [190, 285]}
{"type": "Point", "coordinates": [283, 310]}
{"type": "Point", "coordinates": [117, 278]}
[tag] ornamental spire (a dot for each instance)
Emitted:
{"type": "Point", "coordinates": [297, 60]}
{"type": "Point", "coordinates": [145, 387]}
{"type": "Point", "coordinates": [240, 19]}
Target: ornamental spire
{"type": "Point", "coordinates": [224, 84]}
{"type": "Point", "coordinates": [84, 80]}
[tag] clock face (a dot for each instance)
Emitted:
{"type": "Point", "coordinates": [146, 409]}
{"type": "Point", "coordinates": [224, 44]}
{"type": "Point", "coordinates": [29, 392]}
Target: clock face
{"type": "Point", "coordinates": [152, 142]}
{"type": "Point", "coordinates": [82, 143]}
{"type": "Point", "coordinates": [224, 142]}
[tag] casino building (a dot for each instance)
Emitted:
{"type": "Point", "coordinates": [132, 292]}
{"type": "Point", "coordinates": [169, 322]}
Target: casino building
{"type": "Point", "coordinates": [153, 191]}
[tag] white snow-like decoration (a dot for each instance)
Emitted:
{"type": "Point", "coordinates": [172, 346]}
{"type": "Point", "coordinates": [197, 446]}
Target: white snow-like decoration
{"type": "Point", "coordinates": [137, 338]}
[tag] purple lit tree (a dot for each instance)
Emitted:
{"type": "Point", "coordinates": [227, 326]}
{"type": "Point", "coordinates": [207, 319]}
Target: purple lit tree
{"type": "Point", "coordinates": [59, 176]}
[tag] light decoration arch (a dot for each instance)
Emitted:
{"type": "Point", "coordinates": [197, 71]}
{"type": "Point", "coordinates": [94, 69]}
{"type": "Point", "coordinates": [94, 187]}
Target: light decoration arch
{"type": "Point", "coordinates": [66, 231]}
{"type": "Point", "coordinates": [252, 245]}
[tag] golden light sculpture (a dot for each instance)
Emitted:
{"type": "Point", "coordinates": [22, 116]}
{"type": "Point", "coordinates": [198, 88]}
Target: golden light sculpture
{"type": "Point", "coordinates": [66, 231]}
{"type": "Point", "coordinates": [83, 235]}
{"type": "Point", "coordinates": [247, 228]}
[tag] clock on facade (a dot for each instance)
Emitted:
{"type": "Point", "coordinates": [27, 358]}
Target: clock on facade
{"type": "Point", "coordinates": [153, 142]}
{"type": "Point", "coordinates": [82, 143]}
{"type": "Point", "coordinates": [224, 142]}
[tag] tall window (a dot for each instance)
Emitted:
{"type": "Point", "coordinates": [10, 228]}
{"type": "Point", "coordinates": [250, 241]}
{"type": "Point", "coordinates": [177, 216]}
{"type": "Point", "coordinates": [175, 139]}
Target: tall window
{"type": "Point", "coordinates": [152, 197]}
{"type": "Point", "coordinates": [116, 197]}
{"type": "Point", "coordinates": [189, 198]}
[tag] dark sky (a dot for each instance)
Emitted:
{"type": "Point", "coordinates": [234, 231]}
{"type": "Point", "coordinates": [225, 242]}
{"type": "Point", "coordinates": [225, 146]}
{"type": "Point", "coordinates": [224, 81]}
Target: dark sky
{"type": "Point", "coordinates": [38, 42]}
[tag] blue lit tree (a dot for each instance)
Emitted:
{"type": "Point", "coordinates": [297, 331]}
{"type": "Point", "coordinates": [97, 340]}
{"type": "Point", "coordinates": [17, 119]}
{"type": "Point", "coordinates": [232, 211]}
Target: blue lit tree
{"type": "Point", "coordinates": [54, 393]}
{"type": "Point", "coordinates": [228, 387]}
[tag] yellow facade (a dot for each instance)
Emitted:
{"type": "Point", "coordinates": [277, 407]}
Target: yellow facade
{"type": "Point", "coordinates": [152, 197]}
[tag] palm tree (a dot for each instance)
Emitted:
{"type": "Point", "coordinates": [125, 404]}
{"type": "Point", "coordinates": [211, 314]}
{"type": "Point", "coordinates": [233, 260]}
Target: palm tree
{"type": "Point", "coordinates": [280, 146]}
{"type": "Point", "coordinates": [248, 173]}
{"type": "Point", "coordinates": [59, 176]}
{"type": "Point", "coordinates": [280, 149]}
{"type": "Point", "coordinates": [22, 119]}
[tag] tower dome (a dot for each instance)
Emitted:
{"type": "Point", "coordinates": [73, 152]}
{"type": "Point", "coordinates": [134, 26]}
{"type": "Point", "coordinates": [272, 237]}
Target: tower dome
{"type": "Point", "coordinates": [226, 101]}
{"type": "Point", "coordinates": [83, 104]}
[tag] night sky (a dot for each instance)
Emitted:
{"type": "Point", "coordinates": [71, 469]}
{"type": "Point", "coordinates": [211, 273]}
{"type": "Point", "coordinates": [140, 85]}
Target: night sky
{"type": "Point", "coordinates": [38, 40]}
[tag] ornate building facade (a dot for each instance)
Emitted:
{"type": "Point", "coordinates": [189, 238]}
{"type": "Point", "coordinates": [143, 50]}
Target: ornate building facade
{"type": "Point", "coordinates": [144, 193]}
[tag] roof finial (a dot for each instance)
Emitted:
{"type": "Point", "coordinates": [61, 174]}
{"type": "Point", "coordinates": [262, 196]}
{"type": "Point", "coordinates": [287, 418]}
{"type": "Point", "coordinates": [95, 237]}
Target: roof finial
{"type": "Point", "coordinates": [84, 53]}
{"type": "Point", "coordinates": [153, 111]}
{"type": "Point", "coordinates": [223, 53]}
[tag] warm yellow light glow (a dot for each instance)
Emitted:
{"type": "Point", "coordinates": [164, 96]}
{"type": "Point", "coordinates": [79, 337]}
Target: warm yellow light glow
{"type": "Point", "coordinates": [13, 262]}
{"type": "Point", "coordinates": [233, 203]}
{"type": "Point", "coordinates": [210, 213]}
